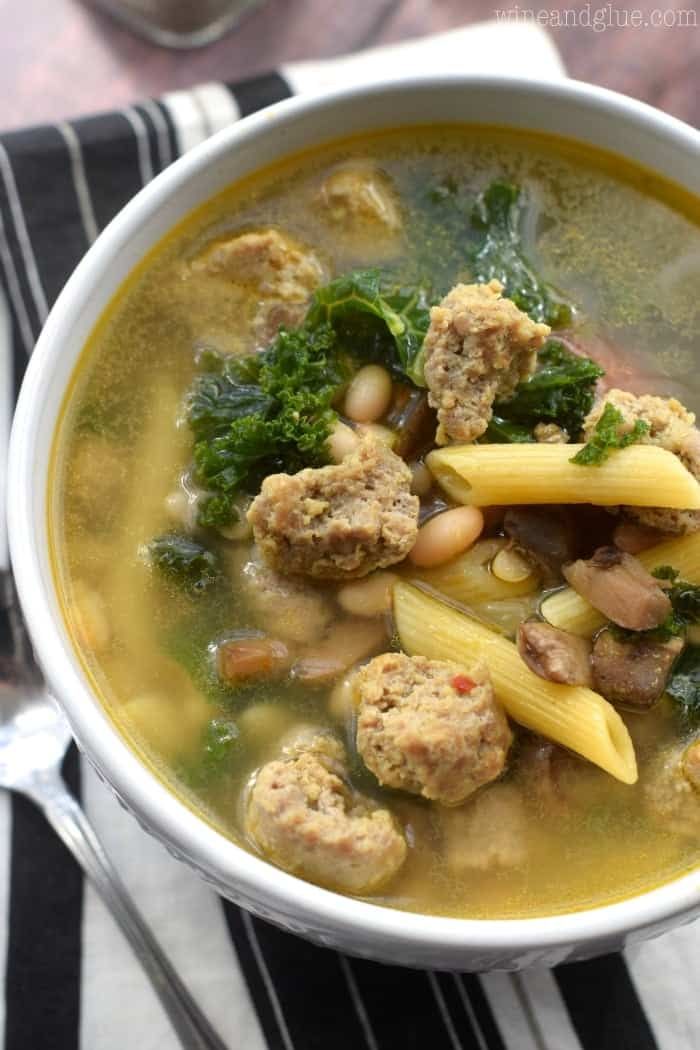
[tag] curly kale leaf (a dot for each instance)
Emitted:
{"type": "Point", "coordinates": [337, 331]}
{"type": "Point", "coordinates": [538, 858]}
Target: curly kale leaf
{"type": "Point", "coordinates": [685, 599]}
{"type": "Point", "coordinates": [560, 391]}
{"type": "Point", "coordinates": [498, 253]}
{"type": "Point", "coordinates": [376, 319]}
{"type": "Point", "coordinates": [684, 684]}
{"type": "Point", "coordinates": [684, 596]}
{"type": "Point", "coordinates": [188, 564]}
{"type": "Point", "coordinates": [262, 414]}
{"type": "Point", "coordinates": [607, 438]}
{"type": "Point", "coordinates": [220, 399]}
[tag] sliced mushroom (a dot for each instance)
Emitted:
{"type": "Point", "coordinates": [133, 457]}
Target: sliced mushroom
{"type": "Point", "coordinates": [239, 659]}
{"type": "Point", "coordinates": [632, 537]}
{"type": "Point", "coordinates": [347, 642]}
{"type": "Point", "coordinates": [538, 764]}
{"type": "Point", "coordinates": [545, 534]}
{"type": "Point", "coordinates": [632, 672]}
{"type": "Point", "coordinates": [620, 587]}
{"type": "Point", "coordinates": [554, 654]}
{"type": "Point", "coordinates": [413, 419]}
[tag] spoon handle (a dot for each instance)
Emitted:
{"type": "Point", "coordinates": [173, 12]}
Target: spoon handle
{"type": "Point", "coordinates": [65, 815]}
{"type": "Point", "coordinates": [6, 398]}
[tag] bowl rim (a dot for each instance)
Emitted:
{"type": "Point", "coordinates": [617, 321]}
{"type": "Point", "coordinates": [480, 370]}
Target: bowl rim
{"type": "Point", "coordinates": [259, 884]}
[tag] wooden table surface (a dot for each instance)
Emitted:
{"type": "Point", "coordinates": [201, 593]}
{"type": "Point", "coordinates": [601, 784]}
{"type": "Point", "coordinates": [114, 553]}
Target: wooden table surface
{"type": "Point", "coordinates": [60, 58]}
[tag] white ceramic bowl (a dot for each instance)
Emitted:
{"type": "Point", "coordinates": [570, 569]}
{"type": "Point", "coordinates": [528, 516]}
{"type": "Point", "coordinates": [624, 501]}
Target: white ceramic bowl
{"type": "Point", "coordinates": [588, 114]}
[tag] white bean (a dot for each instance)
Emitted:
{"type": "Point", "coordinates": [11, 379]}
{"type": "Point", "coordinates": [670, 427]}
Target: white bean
{"type": "Point", "coordinates": [263, 723]}
{"type": "Point", "coordinates": [341, 442]}
{"type": "Point", "coordinates": [178, 507]}
{"type": "Point", "coordinates": [368, 395]}
{"type": "Point", "coordinates": [368, 597]}
{"type": "Point", "coordinates": [510, 566]}
{"type": "Point", "coordinates": [446, 535]}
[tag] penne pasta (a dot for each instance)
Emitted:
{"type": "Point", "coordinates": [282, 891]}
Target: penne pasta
{"type": "Point", "coordinates": [569, 611]}
{"type": "Point", "coordinates": [573, 716]}
{"type": "Point", "coordinates": [489, 475]}
{"type": "Point", "coordinates": [468, 578]}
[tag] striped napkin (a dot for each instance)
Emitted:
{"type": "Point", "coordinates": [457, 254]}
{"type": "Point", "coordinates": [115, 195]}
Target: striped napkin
{"type": "Point", "coordinates": [71, 982]}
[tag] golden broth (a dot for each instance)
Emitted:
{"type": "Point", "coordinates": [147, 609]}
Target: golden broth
{"type": "Point", "coordinates": [622, 244]}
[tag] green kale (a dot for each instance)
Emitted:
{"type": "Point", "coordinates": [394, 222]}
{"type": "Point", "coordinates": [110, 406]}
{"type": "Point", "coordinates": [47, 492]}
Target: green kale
{"type": "Point", "coordinates": [502, 431]}
{"type": "Point", "coordinates": [683, 685]}
{"type": "Point", "coordinates": [606, 438]}
{"type": "Point", "coordinates": [439, 229]}
{"type": "Point", "coordinates": [685, 599]}
{"type": "Point", "coordinates": [498, 253]}
{"type": "Point", "coordinates": [273, 411]}
{"type": "Point", "coordinates": [665, 572]}
{"type": "Point", "coordinates": [220, 399]}
{"type": "Point", "coordinates": [560, 391]}
{"type": "Point", "coordinates": [220, 743]}
{"type": "Point", "coordinates": [189, 564]}
{"type": "Point", "coordinates": [376, 319]}
{"type": "Point", "coordinates": [266, 413]}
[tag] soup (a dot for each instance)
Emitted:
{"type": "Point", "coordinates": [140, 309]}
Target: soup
{"type": "Point", "coordinates": [375, 520]}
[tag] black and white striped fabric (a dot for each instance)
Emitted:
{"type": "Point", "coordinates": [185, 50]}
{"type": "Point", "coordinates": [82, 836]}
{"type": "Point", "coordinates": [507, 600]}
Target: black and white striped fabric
{"type": "Point", "coordinates": [71, 982]}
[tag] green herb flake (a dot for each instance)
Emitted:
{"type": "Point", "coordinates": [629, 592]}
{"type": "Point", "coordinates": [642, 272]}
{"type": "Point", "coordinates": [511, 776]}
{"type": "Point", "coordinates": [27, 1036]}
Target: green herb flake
{"type": "Point", "coordinates": [220, 743]}
{"type": "Point", "coordinates": [188, 564]}
{"type": "Point", "coordinates": [607, 438]}
{"type": "Point", "coordinates": [665, 572]}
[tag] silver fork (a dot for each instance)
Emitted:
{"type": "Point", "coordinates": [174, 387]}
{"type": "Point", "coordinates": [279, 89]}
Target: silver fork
{"type": "Point", "coordinates": [34, 736]}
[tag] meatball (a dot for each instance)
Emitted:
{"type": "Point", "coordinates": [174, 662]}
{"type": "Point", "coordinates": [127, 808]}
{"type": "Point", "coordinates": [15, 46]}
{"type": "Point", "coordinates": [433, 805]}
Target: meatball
{"type": "Point", "coordinates": [671, 426]}
{"type": "Point", "coordinates": [341, 521]}
{"type": "Point", "coordinates": [426, 727]}
{"type": "Point", "coordinates": [270, 262]}
{"type": "Point", "coordinates": [479, 346]}
{"type": "Point", "coordinates": [672, 790]}
{"type": "Point", "coordinates": [359, 200]}
{"type": "Point", "coordinates": [488, 832]}
{"type": "Point", "coordinates": [303, 816]}
{"type": "Point", "coordinates": [292, 609]}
